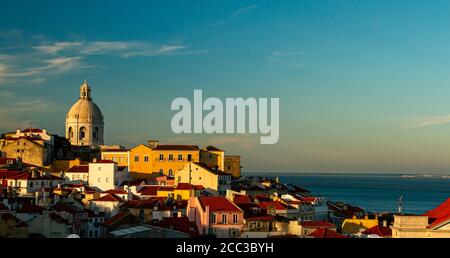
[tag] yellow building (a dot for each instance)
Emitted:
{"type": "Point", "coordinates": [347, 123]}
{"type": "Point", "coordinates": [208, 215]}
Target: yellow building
{"type": "Point", "coordinates": [212, 156]}
{"type": "Point", "coordinates": [120, 156]}
{"type": "Point", "coordinates": [169, 159]}
{"type": "Point", "coordinates": [153, 159]}
{"type": "Point", "coordinates": [140, 160]}
{"type": "Point", "coordinates": [59, 166]}
{"type": "Point", "coordinates": [354, 225]}
{"type": "Point", "coordinates": [213, 180]}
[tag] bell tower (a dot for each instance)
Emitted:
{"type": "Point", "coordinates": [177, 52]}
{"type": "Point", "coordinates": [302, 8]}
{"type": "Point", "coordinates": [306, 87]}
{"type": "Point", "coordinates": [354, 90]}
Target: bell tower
{"type": "Point", "coordinates": [85, 91]}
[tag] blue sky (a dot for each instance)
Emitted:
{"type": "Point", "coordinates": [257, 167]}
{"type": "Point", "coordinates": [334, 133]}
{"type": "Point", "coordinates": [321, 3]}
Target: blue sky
{"type": "Point", "coordinates": [363, 85]}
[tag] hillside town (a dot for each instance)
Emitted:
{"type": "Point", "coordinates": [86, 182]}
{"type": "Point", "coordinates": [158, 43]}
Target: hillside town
{"type": "Point", "coordinates": [76, 186]}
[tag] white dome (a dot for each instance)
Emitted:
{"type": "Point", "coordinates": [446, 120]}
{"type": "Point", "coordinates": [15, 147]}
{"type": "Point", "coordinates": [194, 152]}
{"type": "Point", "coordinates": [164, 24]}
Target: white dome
{"type": "Point", "coordinates": [84, 110]}
{"type": "Point", "coordinates": [84, 120]}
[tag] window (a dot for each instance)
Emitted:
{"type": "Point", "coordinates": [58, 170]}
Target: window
{"type": "Point", "coordinates": [136, 158]}
{"type": "Point", "coordinates": [19, 183]}
{"type": "Point", "coordinates": [82, 133]}
{"type": "Point", "coordinates": [31, 184]}
{"type": "Point", "coordinates": [224, 218]}
{"type": "Point", "coordinates": [161, 156]}
{"type": "Point", "coordinates": [170, 156]}
{"type": "Point", "coordinates": [107, 179]}
{"type": "Point", "coordinates": [145, 158]}
{"type": "Point", "coordinates": [213, 218]}
{"type": "Point", "coordinates": [180, 156]}
{"type": "Point", "coordinates": [90, 233]}
{"type": "Point", "coordinates": [235, 218]}
{"type": "Point", "coordinates": [99, 179]}
{"type": "Point", "coordinates": [95, 132]}
{"type": "Point", "coordinates": [161, 171]}
{"type": "Point", "coordinates": [99, 168]}
{"type": "Point", "coordinates": [170, 172]}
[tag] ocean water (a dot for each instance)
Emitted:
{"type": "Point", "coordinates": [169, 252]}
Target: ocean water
{"type": "Point", "coordinates": [376, 192]}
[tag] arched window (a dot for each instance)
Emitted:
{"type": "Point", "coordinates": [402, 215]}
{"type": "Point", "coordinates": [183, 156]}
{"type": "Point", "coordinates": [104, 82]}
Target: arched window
{"type": "Point", "coordinates": [170, 172]}
{"type": "Point", "coordinates": [70, 133]}
{"type": "Point", "coordinates": [82, 133]}
{"type": "Point", "coordinates": [161, 171]}
{"type": "Point", "coordinates": [96, 133]}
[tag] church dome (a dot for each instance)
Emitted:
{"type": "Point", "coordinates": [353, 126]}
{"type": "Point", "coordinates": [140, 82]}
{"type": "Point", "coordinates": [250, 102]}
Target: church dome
{"type": "Point", "coordinates": [85, 111]}
{"type": "Point", "coordinates": [84, 120]}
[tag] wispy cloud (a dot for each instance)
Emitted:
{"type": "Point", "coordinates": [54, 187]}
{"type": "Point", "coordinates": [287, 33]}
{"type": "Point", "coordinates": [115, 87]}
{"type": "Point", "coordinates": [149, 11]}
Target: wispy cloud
{"type": "Point", "coordinates": [18, 114]}
{"type": "Point", "coordinates": [244, 10]}
{"type": "Point", "coordinates": [235, 15]}
{"type": "Point", "coordinates": [56, 47]}
{"type": "Point", "coordinates": [33, 63]}
{"type": "Point", "coordinates": [430, 121]}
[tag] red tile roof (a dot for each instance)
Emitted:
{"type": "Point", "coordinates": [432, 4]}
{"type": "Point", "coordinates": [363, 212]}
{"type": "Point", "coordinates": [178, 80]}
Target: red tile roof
{"type": "Point", "coordinates": [440, 214]}
{"type": "Point", "coordinates": [378, 230]}
{"type": "Point", "coordinates": [116, 218]}
{"type": "Point", "coordinates": [79, 169]}
{"type": "Point", "coordinates": [116, 191]}
{"type": "Point", "coordinates": [108, 198]}
{"type": "Point", "coordinates": [105, 161]}
{"type": "Point", "coordinates": [218, 203]}
{"type": "Point", "coordinates": [276, 205]}
{"type": "Point", "coordinates": [33, 130]}
{"type": "Point", "coordinates": [142, 204]}
{"type": "Point", "coordinates": [187, 186]}
{"type": "Point", "coordinates": [176, 147]}
{"type": "Point", "coordinates": [149, 190]}
{"type": "Point", "coordinates": [238, 199]}
{"type": "Point", "coordinates": [326, 233]}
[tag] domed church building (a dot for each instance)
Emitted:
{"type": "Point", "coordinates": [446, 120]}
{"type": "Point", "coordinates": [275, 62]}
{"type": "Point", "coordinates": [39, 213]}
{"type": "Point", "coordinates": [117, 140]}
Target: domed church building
{"type": "Point", "coordinates": [84, 121]}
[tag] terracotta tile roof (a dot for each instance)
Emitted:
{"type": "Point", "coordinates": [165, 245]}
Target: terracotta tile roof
{"type": "Point", "coordinates": [218, 203]}
{"type": "Point", "coordinates": [180, 224]}
{"type": "Point", "coordinates": [317, 224]}
{"type": "Point", "coordinates": [440, 214]}
{"type": "Point", "coordinates": [79, 169]}
{"type": "Point", "coordinates": [33, 130]}
{"type": "Point", "coordinates": [10, 174]}
{"type": "Point", "coordinates": [176, 147]}
{"type": "Point", "coordinates": [326, 233]}
{"type": "Point", "coordinates": [116, 191]}
{"type": "Point", "coordinates": [187, 186]}
{"type": "Point", "coordinates": [378, 230]}
{"type": "Point", "coordinates": [105, 161]}
{"type": "Point", "coordinates": [238, 199]}
{"type": "Point", "coordinates": [142, 204]}
{"type": "Point", "coordinates": [116, 218]}
{"type": "Point", "coordinates": [149, 190]}
{"type": "Point", "coordinates": [276, 205]}
{"type": "Point", "coordinates": [108, 198]}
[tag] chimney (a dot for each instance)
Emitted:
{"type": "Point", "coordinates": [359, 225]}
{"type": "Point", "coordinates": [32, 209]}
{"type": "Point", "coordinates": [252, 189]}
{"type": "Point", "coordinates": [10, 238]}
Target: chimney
{"type": "Point", "coordinates": [153, 143]}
